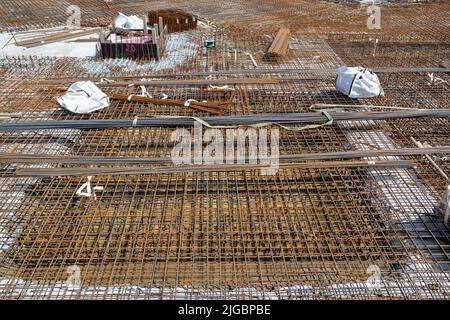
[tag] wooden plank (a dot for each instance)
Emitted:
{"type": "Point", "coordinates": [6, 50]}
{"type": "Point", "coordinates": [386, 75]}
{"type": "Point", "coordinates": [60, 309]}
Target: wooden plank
{"type": "Point", "coordinates": [280, 45]}
{"type": "Point", "coordinates": [39, 41]}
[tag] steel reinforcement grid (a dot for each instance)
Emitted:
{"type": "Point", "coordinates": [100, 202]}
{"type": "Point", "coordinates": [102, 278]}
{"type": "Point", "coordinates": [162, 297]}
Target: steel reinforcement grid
{"type": "Point", "coordinates": [304, 233]}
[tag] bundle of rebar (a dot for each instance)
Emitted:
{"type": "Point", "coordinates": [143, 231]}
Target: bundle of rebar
{"type": "Point", "coordinates": [253, 72]}
{"type": "Point", "coordinates": [51, 172]}
{"type": "Point", "coordinates": [76, 159]}
{"type": "Point", "coordinates": [283, 119]}
{"type": "Point", "coordinates": [171, 82]}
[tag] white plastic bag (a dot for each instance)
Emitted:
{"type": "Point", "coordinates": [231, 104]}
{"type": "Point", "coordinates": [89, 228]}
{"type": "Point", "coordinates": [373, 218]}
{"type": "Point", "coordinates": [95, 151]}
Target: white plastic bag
{"type": "Point", "coordinates": [128, 22]}
{"type": "Point", "coordinates": [83, 97]}
{"type": "Point", "coordinates": [443, 207]}
{"type": "Point", "coordinates": [358, 82]}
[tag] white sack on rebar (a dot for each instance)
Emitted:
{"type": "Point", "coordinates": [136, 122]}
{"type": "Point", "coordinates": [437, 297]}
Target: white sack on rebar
{"type": "Point", "coordinates": [83, 97]}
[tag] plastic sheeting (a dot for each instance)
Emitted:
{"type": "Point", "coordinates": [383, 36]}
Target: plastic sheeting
{"type": "Point", "coordinates": [358, 82]}
{"type": "Point", "coordinates": [83, 97]}
{"type": "Point", "coordinates": [128, 22]}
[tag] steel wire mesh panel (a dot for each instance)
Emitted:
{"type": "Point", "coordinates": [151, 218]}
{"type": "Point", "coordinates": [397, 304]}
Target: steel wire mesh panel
{"type": "Point", "coordinates": [300, 234]}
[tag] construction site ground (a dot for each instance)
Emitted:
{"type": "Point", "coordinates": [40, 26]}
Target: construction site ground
{"type": "Point", "coordinates": [304, 233]}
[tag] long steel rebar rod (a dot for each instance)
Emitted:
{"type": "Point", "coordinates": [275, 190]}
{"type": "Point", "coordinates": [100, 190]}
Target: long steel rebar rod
{"type": "Point", "coordinates": [50, 172]}
{"type": "Point", "coordinates": [224, 121]}
{"type": "Point", "coordinates": [75, 159]}
{"type": "Point", "coordinates": [239, 72]}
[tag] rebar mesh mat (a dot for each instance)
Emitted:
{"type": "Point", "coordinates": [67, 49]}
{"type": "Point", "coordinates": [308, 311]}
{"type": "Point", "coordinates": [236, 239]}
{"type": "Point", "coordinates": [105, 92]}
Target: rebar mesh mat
{"type": "Point", "coordinates": [300, 234]}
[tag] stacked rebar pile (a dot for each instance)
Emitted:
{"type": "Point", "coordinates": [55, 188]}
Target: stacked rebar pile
{"type": "Point", "coordinates": [176, 20]}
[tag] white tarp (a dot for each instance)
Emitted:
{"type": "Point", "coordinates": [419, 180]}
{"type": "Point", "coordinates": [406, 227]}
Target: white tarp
{"type": "Point", "coordinates": [83, 97]}
{"type": "Point", "coordinates": [128, 22]}
{"type": "Point", "coordinates": [358, 82]}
